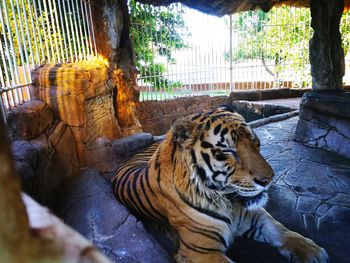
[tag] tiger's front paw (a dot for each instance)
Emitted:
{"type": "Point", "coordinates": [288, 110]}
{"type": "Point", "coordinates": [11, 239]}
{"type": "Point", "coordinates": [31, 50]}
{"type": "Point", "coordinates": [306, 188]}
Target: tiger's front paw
{"type": "Point", "coordinates": [301, 249]}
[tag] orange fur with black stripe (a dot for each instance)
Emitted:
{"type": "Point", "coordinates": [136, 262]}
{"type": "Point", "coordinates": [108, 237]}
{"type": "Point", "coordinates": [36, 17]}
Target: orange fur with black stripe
{"type": "Point", "coordinates": [207, 180]}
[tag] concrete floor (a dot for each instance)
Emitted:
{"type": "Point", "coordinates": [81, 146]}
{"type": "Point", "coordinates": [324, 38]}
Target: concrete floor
{"type": "Point", "coordinates": [310, 195]}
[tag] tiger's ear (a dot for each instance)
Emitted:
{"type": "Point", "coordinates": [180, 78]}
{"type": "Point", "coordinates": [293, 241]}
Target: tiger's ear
{"type": "Point", "coordinates": [227, 107]}
{"type": "Point", "coordinates": [182, 129]}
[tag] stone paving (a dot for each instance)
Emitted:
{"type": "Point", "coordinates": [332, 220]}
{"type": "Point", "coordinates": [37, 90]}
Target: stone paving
{"type": "Point", "coordinates": [310, 195]}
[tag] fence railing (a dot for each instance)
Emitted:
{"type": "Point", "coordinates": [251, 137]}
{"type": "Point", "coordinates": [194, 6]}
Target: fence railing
{"type": "Point", "coordinates": [36, 32]}
{"type": "Point", "coordinates": [182, 52]}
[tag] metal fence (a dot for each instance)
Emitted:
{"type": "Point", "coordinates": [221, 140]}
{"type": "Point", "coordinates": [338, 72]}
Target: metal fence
{"type": "Point", "coordinates": [182, 52]}
{"type": "Point", "coordinates": [36, 32]}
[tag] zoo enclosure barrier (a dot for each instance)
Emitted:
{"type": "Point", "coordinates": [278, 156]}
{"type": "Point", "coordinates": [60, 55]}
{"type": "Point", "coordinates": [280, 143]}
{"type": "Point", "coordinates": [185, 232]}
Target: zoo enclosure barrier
{"type": "Point", "coordinates": [37, 32]}
{"type": "Point", "coordinates": [182, 52]}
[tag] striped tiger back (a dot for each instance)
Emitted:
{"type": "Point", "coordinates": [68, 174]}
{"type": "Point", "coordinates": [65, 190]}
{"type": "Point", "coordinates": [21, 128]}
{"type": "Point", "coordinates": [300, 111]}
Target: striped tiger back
{"type": "Point", "coordinates": [131, 184]}
{"type": "Point", "coordinates": [207, 180]}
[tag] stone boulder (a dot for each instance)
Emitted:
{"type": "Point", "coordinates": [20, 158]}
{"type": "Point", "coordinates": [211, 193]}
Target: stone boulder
{"type": "Point", "coordinates": [90, 208]}
{"type": "Point", "coordinates": [79, 96]}
{"type": "Point", "coordinates": [324, 121]}
{"type": "Point", "coordinates": [127, 146]}
{"type": "Point", "coordinates": [46, 162]}
{"type": "Point", "coordinates": [29, 120]}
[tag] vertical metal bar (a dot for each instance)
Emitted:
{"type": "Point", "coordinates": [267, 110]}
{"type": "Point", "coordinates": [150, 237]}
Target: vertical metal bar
{"type": "Point", "coordinates": [80, 30]}
{"type": "Point", "coordinates": [140, 28]}
{"type": "Point", "coordinates": [62, 32]}
{"type": "Point", "coordinates": [76, 33]}
{"type": "Point", "coordinates": [10, 57]}
{"type": "Point", "coordinates": [49, 31]}
{"type": "Point", "coordinates": [33, 30]}
{"type": "Point", "coordinates": [158, 75]}
{"type": "Point", "coordinates": [25, 71]}
{"type": "Point", "coordinates": [66, 57]}
{"type": "Point", "coordinates": [89, 38]}
{"type": "Point", "coordinates": [76, 53]}
{"type": "Point", "coordinates": [92, 29]}
{"type": "Point", "coordinates": [3, 82]}
{"type": "Point", "coordinates": [69, 39]}
{"type": "Point", "coordinates": [58, 31]}
{"type": "Point", "coordinates": [3, 53]}
{"type": "Point", "coordinates": [50, 17]}
{"type": "Point", "coordinates": [84, 28]}
{"type": "Point", "coordinates": [19, 46]}
{"type": "Point", "coordinates": [47, 46]}
{"type": "Point", "coordinates": [27, 31]}
{"type": "Point", "coordinates": [1, 73]}
{"type": "Point", "coordinates": [153, 73]}
{"type": "Point", "coordinates": [39, 34]}
{"type": "Point", "coordinates": [31, 52]}
{"type": "Point", "coordinates": [230, 56]}
{"type": "Point", "coordinates": [2, 109]}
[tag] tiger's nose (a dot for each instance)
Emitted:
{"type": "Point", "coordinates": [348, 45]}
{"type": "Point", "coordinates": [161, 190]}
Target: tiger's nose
{"type": "Point", "coordinates": [263, 181]}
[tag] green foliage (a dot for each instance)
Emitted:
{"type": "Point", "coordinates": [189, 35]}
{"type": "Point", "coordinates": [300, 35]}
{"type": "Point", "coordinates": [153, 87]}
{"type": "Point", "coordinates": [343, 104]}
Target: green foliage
{"type": "Point", "coordinates": [345, 31]}
{"type": "Point", "coordinates": [280, 39]}
{"type": "Point", "coordinates": [156, 33]}
{"type": "Point", "coordinates": [42, 36]}
{"type": "Point", "coordinates": [28, 35]}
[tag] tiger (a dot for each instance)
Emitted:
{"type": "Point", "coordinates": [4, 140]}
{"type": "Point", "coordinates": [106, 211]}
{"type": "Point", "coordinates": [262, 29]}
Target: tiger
{"type": "Point", "coordinates": [207, 182]}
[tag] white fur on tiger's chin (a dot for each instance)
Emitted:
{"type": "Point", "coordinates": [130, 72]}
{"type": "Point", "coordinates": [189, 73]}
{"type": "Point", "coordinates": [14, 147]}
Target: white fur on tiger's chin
{"type": "Point", "coordinates": [252, 203]}
{"type": "Point", "coordinates": [260, 203]}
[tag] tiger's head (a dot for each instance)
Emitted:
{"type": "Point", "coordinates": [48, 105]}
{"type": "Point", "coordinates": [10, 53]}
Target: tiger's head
{"type": "Point", "coordinates": [223, 155]}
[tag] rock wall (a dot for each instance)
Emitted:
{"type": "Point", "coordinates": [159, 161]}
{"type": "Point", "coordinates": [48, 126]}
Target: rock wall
{"type": "Point", "coordinates": [43, 149]}
{"type": "Point", "coordinates": [156, 117]}
{"type": "Point", "coordinates": [126, 99]}
{"type": "Point", "coordinates": [325, 46]}
{"type": "Point", "coordinates": [29, 120]}
{"type": "Point", "coordinates": [93, 211]}
{"type": "Point", "coordinates": [82, 96]}
{"type": "Point", "coordinates": [324, 121]}
{"type": "Point", "coordinates": [112, 30]}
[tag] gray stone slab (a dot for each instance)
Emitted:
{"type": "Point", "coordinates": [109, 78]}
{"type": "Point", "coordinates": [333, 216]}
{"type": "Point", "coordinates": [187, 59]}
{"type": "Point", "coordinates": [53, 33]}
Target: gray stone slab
{"type": "Point", "coordinates": [280, 169]}
{"type": "Point", "coordinates": [341, 178]}
{"type": "Point", "coordinates": [323, 209]}
{"type": "Point", "coordinates": [26, 157]}
{"type": "Point", "coordinates": [311, 180]}
{"type": "Point", "coordinates": [340, 200]}
{"type": "Point", "coordinates": [331, 102]}
{"type": "Point", "coordinates": [281, 204]}
{"type": "Point", "coordinates": [130, 144]}
{"type": "Point", "coordinates": [314, 199]}
{"type": "Point", "coordinates": [274, 133]}
{"type": "Point", "coordinates": [29, 120]}
{"type": "Point", "coordinates": [324, 121]}
{"type": "Point", "coordinates": [272, 150]}
{"type": "Point", "coordinates": [333, 233]}
{"type": "Point", "coordinates": [307, 204]}
{"type": "Point", "coordinates": [330, 159]}
{"type": "Point", "coordinates": [91, 209]}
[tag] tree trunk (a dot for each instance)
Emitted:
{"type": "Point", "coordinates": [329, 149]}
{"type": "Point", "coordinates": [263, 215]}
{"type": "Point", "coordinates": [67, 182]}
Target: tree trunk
{"type": "Point", "coordinates": [326, 52]}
